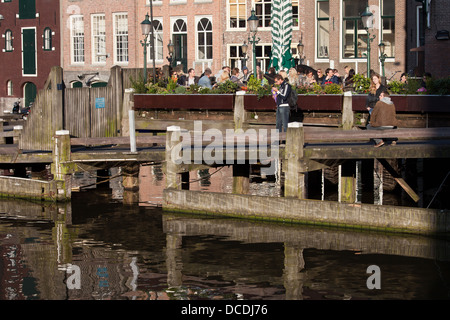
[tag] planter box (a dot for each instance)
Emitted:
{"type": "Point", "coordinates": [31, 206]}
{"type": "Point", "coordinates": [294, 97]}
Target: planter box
{"type": "Point", "coordinates": [306, 102]}
{"type": "Point", "coordinates": [184, 101]}
{"type": "Point", "coordinates": [409, 103]}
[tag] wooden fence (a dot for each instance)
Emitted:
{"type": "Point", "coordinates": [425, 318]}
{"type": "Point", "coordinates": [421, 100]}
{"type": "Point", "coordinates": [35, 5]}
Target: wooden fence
{"type": "Point", "coordinates": [85, 112]}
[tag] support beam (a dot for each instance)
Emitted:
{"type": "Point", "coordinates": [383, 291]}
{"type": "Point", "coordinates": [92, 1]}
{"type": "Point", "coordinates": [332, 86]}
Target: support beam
{"type": "Point", "coordinates": [347, 182]}
{"type": "Point", "coordinates": [241, 178]}
{"type": "Point", "coordinates": [399, 180]}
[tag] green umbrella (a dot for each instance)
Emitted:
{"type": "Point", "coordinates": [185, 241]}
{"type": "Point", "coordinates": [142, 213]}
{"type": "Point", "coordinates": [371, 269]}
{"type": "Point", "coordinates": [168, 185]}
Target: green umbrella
{"type": "Point", "coordinates": [281, 22]}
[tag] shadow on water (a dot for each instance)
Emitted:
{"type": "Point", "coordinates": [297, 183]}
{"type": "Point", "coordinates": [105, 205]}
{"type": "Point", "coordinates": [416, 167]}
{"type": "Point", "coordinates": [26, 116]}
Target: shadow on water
{"type": "Point", "coordinates": [97, 247]}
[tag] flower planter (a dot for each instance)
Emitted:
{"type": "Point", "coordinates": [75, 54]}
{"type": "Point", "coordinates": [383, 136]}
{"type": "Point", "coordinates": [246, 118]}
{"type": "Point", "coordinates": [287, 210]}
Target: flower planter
{"type": "Point", "coordinates": [409, 103]}
{"type": "Point", "coordinates": [306, 102]}
{"type": "Point", "coordinates": [184, 101]}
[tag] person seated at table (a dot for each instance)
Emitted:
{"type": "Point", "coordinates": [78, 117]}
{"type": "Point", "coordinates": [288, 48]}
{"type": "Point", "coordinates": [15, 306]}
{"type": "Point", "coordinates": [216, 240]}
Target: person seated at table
{"type": "Point", "coordinates": [383, 117]}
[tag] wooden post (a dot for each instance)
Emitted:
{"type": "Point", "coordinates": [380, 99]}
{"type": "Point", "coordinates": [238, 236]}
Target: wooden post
{"type": "Point", "coordinates": [173, 148]}
{"type": "Point", "coordinates": [62, 168]}
{"type": "Point", "coordinates": [294, 263]}
{"type": "Point", "coordinates": [241, 178]}
{"type": "Point", "coordinates": [347, 183]}
{"type": "Point", "coordinates": [294, 180]}
{"type": "Point", "coordinates": [347, 111]}
{"type": "Point", "coordinates": [377, 182]}
{"type": "Point", "coordinates": [239, 111]}
{"type": "Point", "coordinates": [17, 133]}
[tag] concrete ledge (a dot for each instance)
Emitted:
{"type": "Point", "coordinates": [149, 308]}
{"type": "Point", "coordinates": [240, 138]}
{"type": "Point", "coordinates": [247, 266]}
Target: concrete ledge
{"type": "Point", "coordinates": [325, 213]}
{"type": "Point", "coordinates": [13, 187]}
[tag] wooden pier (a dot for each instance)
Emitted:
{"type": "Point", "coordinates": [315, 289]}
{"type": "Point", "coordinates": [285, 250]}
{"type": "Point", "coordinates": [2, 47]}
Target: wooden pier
{"type": "Point", "coordinates": [119, 137]}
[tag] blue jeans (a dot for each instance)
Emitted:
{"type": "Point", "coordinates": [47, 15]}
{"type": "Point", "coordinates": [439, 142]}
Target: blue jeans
{"type": "Point", "coordinates": [282, 118]}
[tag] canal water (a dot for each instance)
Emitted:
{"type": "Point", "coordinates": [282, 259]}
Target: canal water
{"type": "Point", "coordinates": [113, 244]}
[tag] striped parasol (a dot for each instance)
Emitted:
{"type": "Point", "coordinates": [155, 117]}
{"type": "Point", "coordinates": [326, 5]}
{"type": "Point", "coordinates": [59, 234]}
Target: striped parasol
{"type": "Point", "coordinates": [281, 22]}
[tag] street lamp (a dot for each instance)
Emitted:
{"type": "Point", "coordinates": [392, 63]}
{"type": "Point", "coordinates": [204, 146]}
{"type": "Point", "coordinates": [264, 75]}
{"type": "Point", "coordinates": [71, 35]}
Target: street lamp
{"type": "Point", "coordinates": [171, 48]}
{"type": "Point", "coordinates": [383, 56]}
{"type": "Point", "coordinates": [300, 48]}
{"type": "Point", "coordinates": [244, 49]}
{"type": "Point", "coordinates": [367, 21]}
{"type": "Point", "coordinates": [253, 23]}
{"type": "Point", "coordinates": [146, 26]}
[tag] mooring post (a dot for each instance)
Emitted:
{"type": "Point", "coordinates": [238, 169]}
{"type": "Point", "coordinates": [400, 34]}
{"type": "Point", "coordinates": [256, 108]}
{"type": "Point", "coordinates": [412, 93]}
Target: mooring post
{"type": "Point", "coordinates": [132, 131]}
{"type": "Point", "coordinates": [294, 185]}
{"type": "Point", "coordinates": [377, 182]}
{"type": "Point", "coordinates": [347, 111]}
{"type": "Point", "coordinates": [239, 110]}
{"type": "Point", "coordinates": [173, 158]}
{"type": "Point", "coordinates": [293, 276]}
{"type": "Point", "coordinates": [241, 178]}
{"type": "Point", "coordinates": [62, 167]}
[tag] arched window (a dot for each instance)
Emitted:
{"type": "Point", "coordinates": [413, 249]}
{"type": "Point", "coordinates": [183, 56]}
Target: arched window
{"type": "Point", "coordinates": [158, 32]}
{"type": "Point", "coordinates": [204, 39]}
{"type": "Point", "coordinates": [8, 41]}
{"type": "Point", "coordinates": [47, 39]}
{"type": "Point", "coordinates": [9, 88]}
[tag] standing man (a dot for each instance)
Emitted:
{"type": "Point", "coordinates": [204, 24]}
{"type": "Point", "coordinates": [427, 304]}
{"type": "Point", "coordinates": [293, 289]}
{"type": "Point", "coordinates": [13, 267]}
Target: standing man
{"type": "Point", "coordinates": [282, 100]}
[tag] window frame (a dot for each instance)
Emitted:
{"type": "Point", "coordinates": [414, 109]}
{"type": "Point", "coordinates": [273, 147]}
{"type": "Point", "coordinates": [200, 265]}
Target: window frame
{"type": "Point", "coordinates": [118, 38]}
{"type": "Point", "coordinates": [228, 22]}
{"type": "Point", "coordinates": [9, 44]}
{"type": "Point", "coordinates": [74, 50]}
{"type": "Point", "coordinates": [356, 20]}
{"type": "Point", "coordinates": [48, 41]}
{"type": "Point", "coordinates": [318, 58]}
{"type": "Point", "coordinates": [205, 46]}
{"type": "Point", "coordinates": [392, 58]}
{"type": "Point", "coordinates": [261, 17]}
{"type": "Point", "coordinates": [98, 37]}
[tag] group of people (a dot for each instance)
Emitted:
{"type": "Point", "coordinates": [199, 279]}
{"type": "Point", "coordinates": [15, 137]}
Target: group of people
{"type": "Point", "coordinates": [381, 109]}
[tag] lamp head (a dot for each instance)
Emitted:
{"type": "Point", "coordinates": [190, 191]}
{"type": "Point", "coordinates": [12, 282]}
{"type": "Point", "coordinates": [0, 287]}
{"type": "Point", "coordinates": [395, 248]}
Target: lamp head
{"type": "Point", "coordinates": [253, 22]}
{"type": "Point", "coordinates": [367, 19]}
{"type": "Point", "coordinates": [146, 25]}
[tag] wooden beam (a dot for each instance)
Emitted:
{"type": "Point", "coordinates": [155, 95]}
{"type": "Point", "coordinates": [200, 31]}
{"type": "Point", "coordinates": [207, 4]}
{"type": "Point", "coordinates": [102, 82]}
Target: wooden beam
{"type": "Point", "coordinates": [399, 180]}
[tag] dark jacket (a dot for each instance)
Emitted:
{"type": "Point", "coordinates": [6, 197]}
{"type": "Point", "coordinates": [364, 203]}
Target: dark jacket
{"type": "Point", "coordinates": [283, 94]}
{"type": "Point", "coordinates": [373, 98]}
{"type": "Point", "coordinates": [333, 79]}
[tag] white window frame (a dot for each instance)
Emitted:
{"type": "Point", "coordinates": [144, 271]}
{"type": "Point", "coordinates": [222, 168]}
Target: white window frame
{"type": "Point", "coordinates": [154, 2]}
{"type": "Point", "coordinates": [237, 59]}
{"type": "Point", "coordinates": [228, 28]}
{"type": "Point", "coordinates": [298, 17]}
{"type": "Point", "coordinates": [98, 36]}
{"type": "Point", "coordinates": [254, 6]}
{"type": "Point", "coordinates": [265, 67]}
{"type": "Point", "coordinates": [73, 19]}
{"type": "Point", "coordinates": [118, 16]}
{"type": "Point", "coordinates": [157, 46]}
{"type": "Point", "coordinates": [316, 33]}
{"type": "Point", "coordinates": [9, 88]}
{"type": "Point", "coordinates": [197, 20]}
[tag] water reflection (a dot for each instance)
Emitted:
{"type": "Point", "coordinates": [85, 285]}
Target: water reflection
{"type": "Point", "coordinates": [97, 248]}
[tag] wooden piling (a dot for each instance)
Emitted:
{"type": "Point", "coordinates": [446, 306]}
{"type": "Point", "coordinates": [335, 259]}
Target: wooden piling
{"type": "Point", "coordinates": [294, 180]}
{"type": "Point", "coordinates": [241, 178]}
{"type": "Point", "coordinates": [173, 150]}
{"type": "Point", "coordinates": [62, 167]}
{"type": "Point", "coordinates": [347, 111]}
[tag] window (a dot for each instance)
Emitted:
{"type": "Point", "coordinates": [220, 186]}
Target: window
{"type": "Point", "coordinates": [121, 37]}
{"type": "Point", "coordinates": [47, 39]}
{"type": "Point", "coordinates": [263, 54]}
{"type": "Point", "coordinates": [9, 88]}
{"type": "Point", "coordinates": [295, 13]}
{"type": "Point", "coordinates": [27, 9]}
{"type": "Point", "coordinates": [354, 34]}
{"type": "Point", "coordinates": [204, 39]}
{"type": "Point", "coordinates": [159, 44]}
{"type": "Point", "coordinates": [237, 14]}
{"type": "Point", "coordinates": [323, 29]}
{"type": "Point", "coordinates": [8, 41]}
{"type": "Point", "coordinates": [77, 39]}
{"type": "Point", "coordinates": [263, 10]}
{"type": "Point", "coordinates": [98, 38]}
{"type": "Point", "coordinates": [388, 27]}
{"type": "Point", "coordinates": [235, 56]}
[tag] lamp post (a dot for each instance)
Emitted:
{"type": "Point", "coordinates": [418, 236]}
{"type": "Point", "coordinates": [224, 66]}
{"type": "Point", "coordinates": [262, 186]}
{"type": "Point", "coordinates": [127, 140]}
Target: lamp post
{"type": "Point", "coordinates": [145, 26]}
{"type": "Point", "coordinates": [253, 22]}
{"type": "Point", "coordinates": [367, 21]}
{"type": "Point", "coordinates": [170, 48]}
{"type": "Point", "coordinates": [383, 56]}
{"type": "Point", "coordinates": [300, 48]}
{"type": "Point", "coordinates": [244, 49]}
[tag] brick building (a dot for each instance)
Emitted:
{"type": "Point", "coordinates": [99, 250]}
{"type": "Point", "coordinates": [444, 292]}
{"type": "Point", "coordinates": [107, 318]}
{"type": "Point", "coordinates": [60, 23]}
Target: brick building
{"type": "Point", "coordinates": [30, 46]}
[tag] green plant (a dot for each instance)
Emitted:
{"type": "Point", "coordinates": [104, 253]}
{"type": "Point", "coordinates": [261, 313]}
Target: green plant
{"type": "Point", "coordinates": [138, 84]}
{"type": "Point", "coordinates": [227, 87]}
{"type": "Point", "coordinates": [397, 87]}
{"type": "Point", "coordinates": [180, 90]}
{"type": "Point", "coordinates": [361, 83]}
{"type": "Point", "coordinates": [254, 86]}
{"type": "Point", "coordinates": [439, 86]}
{"type": "Point", "coordinates": [171, 85]}
{"type": "Point", "coordinates": [333, 89]}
